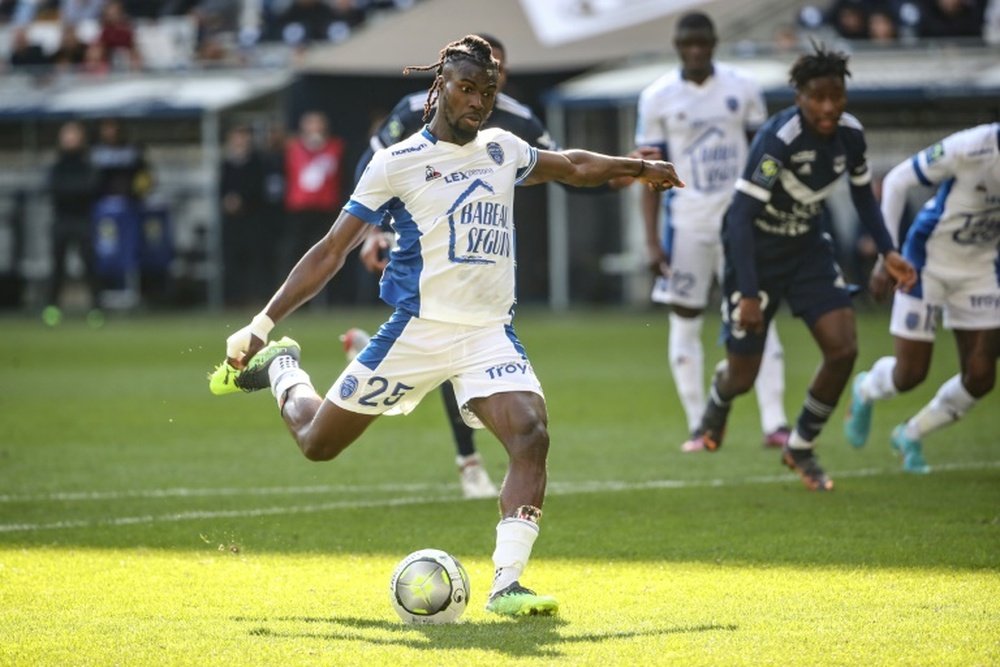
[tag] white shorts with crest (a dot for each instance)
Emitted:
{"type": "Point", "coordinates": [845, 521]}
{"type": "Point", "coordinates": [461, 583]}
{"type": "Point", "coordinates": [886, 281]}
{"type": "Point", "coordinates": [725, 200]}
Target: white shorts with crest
{"type": "Point", "coordinates": [971, 303]}
{"type": "Point", "coordinates": [409, 357]}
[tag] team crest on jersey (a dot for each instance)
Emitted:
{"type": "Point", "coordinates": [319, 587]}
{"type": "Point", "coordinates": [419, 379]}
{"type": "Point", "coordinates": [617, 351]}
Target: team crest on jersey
{"type": "Point", "coordinates": [430, 173]}
{"type": "Point", "coordinates": [348, 387]}
{"type": "Point", "coordinates": [766, 171]}
{"type": "Point", "coordinates": [732, 104]}
{"type": "Point", "coordinates": [495, 151]}
{"type": "Point", "coordinates": [934, 153]}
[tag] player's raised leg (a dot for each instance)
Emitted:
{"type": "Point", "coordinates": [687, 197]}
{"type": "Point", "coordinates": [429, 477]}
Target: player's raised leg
{"type": "Point", "coordinates": [520, 422]}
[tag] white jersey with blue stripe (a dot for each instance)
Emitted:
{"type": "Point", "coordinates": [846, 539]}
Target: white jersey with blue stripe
{"type": "Point", "coordinates": [703, 127]}
{"type": "Point", "coordinates": [452, 209]}
{"type": "Point", "coordinates": [957, 232]}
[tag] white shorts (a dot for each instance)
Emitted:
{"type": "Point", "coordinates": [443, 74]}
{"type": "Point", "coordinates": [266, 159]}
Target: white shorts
{"type": "Point", "coordinates": [971, 304]}
{"type": "Point", "coordinates": [696, 258]}
{"type": "Point", "coordinates": [409, 357]}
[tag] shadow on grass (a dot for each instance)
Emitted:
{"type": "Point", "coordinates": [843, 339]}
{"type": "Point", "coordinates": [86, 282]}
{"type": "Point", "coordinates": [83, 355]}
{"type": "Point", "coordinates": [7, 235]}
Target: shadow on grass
{"type": "Point", "coordinates": [526, 637]}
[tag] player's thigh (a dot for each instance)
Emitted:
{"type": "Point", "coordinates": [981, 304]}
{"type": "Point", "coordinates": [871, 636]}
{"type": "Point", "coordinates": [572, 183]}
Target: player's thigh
{"type": "Point", "coordinates": [817, 287]}
{"type": "Point", "coordinates": [695, 260]}
{"type": "Point", "coordinates": [334, 424]}
{"type": "Point", "coordinates": [405, 359]}
{"type": "Point", "coordinates": [770, 281]}
{"type": "Point", "coordinates": [494, 362]}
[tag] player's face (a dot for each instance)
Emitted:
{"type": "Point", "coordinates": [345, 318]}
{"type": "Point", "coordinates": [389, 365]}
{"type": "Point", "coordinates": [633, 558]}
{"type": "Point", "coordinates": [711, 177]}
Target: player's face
{"type": "Point", "coordinates": [695, 48]}
{"type": "Point", "coordinates": [466, 101]}
{"type": "Point", "coordinates": [822, 101]}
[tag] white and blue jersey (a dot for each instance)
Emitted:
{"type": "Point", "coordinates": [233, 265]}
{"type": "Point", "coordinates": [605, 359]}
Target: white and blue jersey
{"type": "Point", "coordinates": [702, 128]}
{"type": "Point", "coordinates": [452, 211]}
{"type": "Point", "coordinates": [956, 233]}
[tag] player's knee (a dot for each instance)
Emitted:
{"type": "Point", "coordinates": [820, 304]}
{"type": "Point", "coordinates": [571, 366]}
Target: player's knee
{"type": "Point", "coordinates": [979, 377]}
{"type": "Point", "coordinates": [530, 442]}
{"type": "Point", "coordinates": [906, 377]}
{"type": "Point", "coordinates": [320, 449]}
{"type": "Point", "coordinates": [842, 355]}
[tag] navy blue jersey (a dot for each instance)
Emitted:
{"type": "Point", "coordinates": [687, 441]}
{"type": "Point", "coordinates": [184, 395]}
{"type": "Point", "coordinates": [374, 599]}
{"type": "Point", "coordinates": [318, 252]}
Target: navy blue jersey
{"type": "Point", "coordinates": [406, 118]}
{"type": "Point", "coordinates": [790, 172]}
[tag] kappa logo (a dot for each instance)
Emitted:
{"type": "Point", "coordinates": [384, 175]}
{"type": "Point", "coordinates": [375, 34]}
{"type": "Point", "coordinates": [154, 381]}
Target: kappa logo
{"type": "Point", "coordinates": [430, 173]}
{"type": "Point", "coordinates": [495, 151]}
{"type": "Point", "coordinates": [348, 387]}
{"type": "Point", "coordinates": [839, 164]}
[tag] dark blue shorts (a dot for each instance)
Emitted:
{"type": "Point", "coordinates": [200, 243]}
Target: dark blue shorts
{"type": "Point", "coordinates": [809, 280]}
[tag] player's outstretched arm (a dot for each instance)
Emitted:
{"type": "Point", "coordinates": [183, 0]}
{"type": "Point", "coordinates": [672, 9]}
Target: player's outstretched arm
{"type": "Point", "coordinates": [307, 278]}
{"type": "Point", "coordinates": [588, 169]}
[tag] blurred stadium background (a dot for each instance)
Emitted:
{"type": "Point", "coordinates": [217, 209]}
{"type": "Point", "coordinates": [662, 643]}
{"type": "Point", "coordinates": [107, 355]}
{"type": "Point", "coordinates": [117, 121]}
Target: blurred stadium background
{"type": "Point", "coordinates": [202, 67]}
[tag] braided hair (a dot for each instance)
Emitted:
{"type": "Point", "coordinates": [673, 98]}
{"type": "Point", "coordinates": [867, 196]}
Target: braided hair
{"type": "Point", "coordinates": [819, 64]}
{"type": "Point", "coordinates": [470, 47]}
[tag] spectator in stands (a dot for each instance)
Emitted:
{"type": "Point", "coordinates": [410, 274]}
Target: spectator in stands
{"type": "Point", "coordinates": [72, 53]}
{"type": "Point", "coordinates": [313, 194]}
{"type": "Point", "coordinates": [306, 21]}
{"type": "Point", "coordinates": [116, 41]}
{"type": "Point", "coordinates": [849, 18]}
{"type": "Point", "coordinates": [951, 18]}
{"type": "Point", "coordinates": [25, 54]}
{"type": "Point", "coordinates": [882, 28]}
{"type": "Point", "coordinates": [241, 188]}
{"type": "Point", "coordinates": [72, 183]}
{"type": "Point", "coordinates": [73, 12]}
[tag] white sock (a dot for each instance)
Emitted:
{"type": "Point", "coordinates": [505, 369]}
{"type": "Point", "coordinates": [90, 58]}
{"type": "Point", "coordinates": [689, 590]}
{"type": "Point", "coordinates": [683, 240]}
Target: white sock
{"type": "Point", "coordinates": [796, 441]}
{"type": "Point", "coordinates": [687, 363]}
{"type": "Point", "coordinates": [515, 537]}
{"type": "Point", "coordinates": [878, 384]}
{"type": "Point", "coordinates": [770, 384]}
{"type": "Point", "coordinates": [948, 405]}
{"type": "Point", "coordinates": [284, 373]}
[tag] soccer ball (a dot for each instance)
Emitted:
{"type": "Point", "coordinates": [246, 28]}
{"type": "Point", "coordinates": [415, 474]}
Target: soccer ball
{"type": "Point", "coordinates": [429, 586]}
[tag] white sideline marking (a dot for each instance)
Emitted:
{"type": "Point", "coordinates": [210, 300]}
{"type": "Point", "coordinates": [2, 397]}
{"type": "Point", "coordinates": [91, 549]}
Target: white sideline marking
{"type": "Point", "coordinates": [554, 489]}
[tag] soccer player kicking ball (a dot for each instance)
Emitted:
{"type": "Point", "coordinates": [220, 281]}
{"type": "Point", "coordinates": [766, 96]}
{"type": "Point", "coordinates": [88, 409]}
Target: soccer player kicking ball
{"type": "Point", "coordinates": [953, 244]}
{"type": "Point", "coordinates": [775, 250]}
{"type": "Point", "coordinates": [450, 278]}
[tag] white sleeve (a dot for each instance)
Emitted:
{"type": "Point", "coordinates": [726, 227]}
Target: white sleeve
{"type": "Point", "coordinates": [372, 191]}
{"type": "Point", "coordinates": [756, 111]}
{"type": "Point", "coordinates": [895, 187]}
{"type": "Point", "coordinates": [648, 130]}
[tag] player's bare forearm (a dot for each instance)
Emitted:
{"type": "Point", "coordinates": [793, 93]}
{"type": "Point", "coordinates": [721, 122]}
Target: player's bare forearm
{"type": "Point", "coordinates": [317, 266]}
{"type": "Point", "coordinates": [586, 169]}
{"type": "Point", "coordinates": [658, 261]}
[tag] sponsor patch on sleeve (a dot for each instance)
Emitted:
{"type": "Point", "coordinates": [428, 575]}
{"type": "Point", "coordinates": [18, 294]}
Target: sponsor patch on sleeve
{"type": "Point", "coordinates": [934, 153]}
{"type": "Point", "coordinates": [766, 171]}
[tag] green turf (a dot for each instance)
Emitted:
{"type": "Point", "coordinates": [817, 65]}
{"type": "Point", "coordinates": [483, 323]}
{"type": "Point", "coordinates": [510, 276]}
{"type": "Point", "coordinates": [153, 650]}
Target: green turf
{"type": "Point", "coordinates": [144, 521]}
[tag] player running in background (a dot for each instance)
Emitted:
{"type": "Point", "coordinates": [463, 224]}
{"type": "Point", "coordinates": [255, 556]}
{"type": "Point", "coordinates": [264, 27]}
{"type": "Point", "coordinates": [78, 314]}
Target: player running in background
{"type": "Point", "coordinates": [406, 118]}
{"type": "Point", "coordinates": [450, 278]}
{"type": "Point", "coordinates": [776, 250]}
{"type": "Point", "coordinates": [953, 244]}
{"type": "Point", "coordinates": [700, 116]}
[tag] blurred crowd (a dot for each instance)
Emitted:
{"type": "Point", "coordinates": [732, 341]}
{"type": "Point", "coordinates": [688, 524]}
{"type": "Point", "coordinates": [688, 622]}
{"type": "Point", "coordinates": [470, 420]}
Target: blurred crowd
{"type": "Point", "coordinates": [888, 21]}
{"type": "Point", "coordinates": [100, 35]}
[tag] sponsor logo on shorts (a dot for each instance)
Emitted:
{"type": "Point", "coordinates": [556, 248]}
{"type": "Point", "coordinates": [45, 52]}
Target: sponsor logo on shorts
{"type": "Point", "coordinates": [348, 387]}
{"type": "Point", "coordinates": [513, 368]}
{"type": "Point", "coordinates": [912, 321]}
{"type": "Point", "coordinates": [986, 301]}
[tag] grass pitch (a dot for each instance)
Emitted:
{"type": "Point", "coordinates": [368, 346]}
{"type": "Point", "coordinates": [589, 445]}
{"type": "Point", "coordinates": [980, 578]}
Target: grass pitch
{"type": "Point", "coordinates": [144, 521]}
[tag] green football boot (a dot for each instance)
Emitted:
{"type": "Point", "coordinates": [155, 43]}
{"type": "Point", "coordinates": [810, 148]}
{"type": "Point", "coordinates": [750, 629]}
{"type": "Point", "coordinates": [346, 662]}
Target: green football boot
{"type": "Point", "coordinates": [516, 600]}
